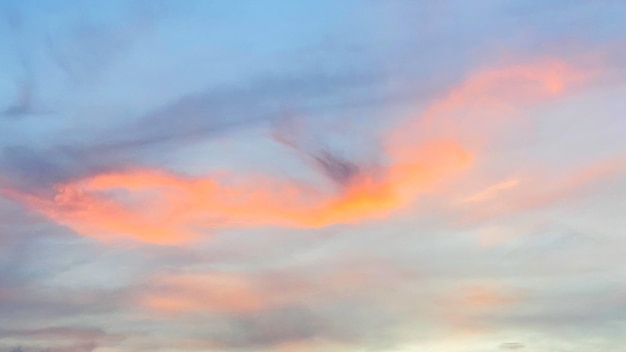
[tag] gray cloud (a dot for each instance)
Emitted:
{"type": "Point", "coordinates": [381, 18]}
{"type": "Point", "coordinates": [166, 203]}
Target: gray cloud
{"type": "Point", "coordinates": [193, 118]}
{"type": "Point", "coordinates": [62, 339]}
{"type": "Point", "coordinates": [255, 102]}
{"type": "Point", "coordinates": [23, 104]}
{"type": "Point", "coordinates": [358, 154]}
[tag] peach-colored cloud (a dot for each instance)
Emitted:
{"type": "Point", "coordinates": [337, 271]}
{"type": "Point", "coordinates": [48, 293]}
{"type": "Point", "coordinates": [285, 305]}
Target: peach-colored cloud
{"type": "Point", "coordinates": [491, 191]}
{"type": "Point", "coordinates": [486, 101]}
{"type": "Point", "coordinates": [546, 187]}
{"type": "Point", "coordinates": [571, 183]}
{"type": "Point", "coordinates": [91, 214]}
{"type": "Point", "coordinates": [175, 294]}
{"type": "Point", "coordinates": [480, 296]}
{"type": "Point", "coordinates": [160, 206]}
{"type": "Point", "coordinates": [201, 292]}
{"type": "Point", "coordinates": [466, 307]}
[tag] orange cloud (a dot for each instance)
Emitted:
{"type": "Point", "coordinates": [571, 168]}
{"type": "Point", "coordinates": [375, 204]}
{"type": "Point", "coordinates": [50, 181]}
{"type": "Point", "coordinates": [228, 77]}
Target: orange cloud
{"type": "Point", "coordinates": [92, 214]}
{"type": "Point", "coordinates": [486, 101]}
{"type": "Point", "coordinates": [160, 206]}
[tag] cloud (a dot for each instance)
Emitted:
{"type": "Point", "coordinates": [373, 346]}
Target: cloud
{"type": "Point", "coordinates": [23, 104]}
{"type": "Point", "coordinates": [400, 185]}
{"type": "Point", "coordinates": [189, 293]}
{"type": "Point", "coordinates": [164, 207]}
{"type": "Point", "coordinates": [321, 302]}
{"type": "Point", "coordinates": [488, 101]}
{"type": "Point", "coordinates": [183, 120]}
{"type": "Point", "coordinates": [161, 206]}
{"type": "Point", "coordinates": [62, 339]}
{"type": "Point", "coordinates": [28, 301]}
{"type": "Point", "coordinates": [32, 170]}
{"type": "Point", "coordinates": [312, 143]}
{"type": "Point", "coordinates": [255, 102]}
{"type": "Point", "coordinates": [548, 187]}
{"type": "Point", "coordinates": [491, 191]}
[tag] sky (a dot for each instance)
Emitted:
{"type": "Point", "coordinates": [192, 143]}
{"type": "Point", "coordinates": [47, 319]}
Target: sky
{"type": "Point", "coordinates": [314, 175]}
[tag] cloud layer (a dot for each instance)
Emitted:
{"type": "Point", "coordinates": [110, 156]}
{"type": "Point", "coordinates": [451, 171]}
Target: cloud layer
{"type": "Point", "coordinates": [312, 176]}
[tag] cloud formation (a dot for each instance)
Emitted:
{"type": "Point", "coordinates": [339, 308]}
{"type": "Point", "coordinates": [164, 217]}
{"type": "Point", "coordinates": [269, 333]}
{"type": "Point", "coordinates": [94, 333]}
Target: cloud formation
{"type": "Point", "coordinates": [163, 207]}
{"type": "Point", "coordinates": [312, 176]}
